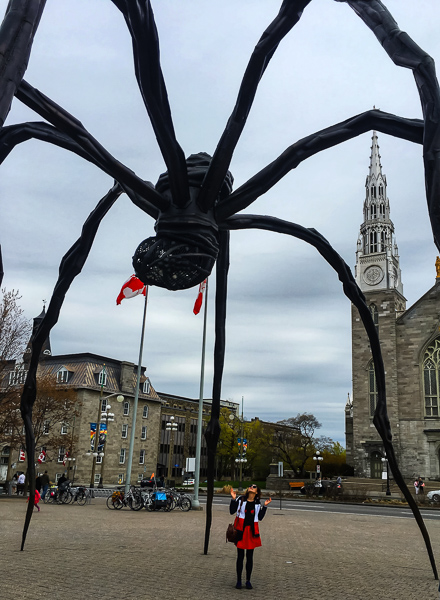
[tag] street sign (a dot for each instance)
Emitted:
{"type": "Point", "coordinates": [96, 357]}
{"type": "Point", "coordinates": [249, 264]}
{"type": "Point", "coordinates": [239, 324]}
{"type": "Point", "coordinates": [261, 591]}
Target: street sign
{"type": "Point", "coordinates": [318, 468]}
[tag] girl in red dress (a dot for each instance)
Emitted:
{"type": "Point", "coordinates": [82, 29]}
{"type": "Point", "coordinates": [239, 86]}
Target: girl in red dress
{"type": "Point", "coordinates": [249, 513]}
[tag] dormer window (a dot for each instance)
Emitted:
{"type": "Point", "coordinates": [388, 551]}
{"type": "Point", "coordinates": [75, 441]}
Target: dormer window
{"type": "Point", "coordinates": [63, 375]}
{"type": "Point", "coordinates": [18, 376]}
{"type": "Point", "coordinates": [146, 387]}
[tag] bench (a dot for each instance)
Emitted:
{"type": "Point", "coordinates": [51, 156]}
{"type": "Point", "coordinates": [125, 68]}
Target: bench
{"type": "Point", "coordinates": [296, 484]}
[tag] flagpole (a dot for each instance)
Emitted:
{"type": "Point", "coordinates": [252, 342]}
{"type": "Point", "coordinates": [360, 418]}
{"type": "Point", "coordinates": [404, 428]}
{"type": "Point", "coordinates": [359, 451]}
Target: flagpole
{"type": "Point", "coordinates": [136, 398]}
{"type": "Point", "coordinates": [196, 503]}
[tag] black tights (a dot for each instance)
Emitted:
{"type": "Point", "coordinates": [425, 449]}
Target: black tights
{"type": "Point", "coordinates": [249, 563]}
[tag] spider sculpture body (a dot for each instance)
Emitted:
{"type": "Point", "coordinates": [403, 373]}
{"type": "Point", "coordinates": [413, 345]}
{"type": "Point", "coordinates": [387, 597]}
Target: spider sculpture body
{"type": "Point", "coordinates": [193, 203]}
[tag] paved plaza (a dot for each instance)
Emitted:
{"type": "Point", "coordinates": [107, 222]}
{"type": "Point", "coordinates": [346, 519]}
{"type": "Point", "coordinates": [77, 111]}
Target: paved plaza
{"type": "Point", "coordinates": [92, 552]}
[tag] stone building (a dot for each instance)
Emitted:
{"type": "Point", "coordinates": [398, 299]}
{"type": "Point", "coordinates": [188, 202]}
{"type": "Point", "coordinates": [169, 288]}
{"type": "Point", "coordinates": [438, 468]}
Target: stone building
{"type": "Point", "coordinates": [410, 342]}
{"type": "Point", "coordinates": [183, 441]}
{"type": "Point", "coordinates": [99, 383]}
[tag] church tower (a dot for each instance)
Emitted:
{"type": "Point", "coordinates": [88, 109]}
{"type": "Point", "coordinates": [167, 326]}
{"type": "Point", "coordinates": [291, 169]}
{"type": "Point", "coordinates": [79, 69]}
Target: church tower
{"type": "Point", "coordinates": [377, 258]}
{"type": "Point", "coordinates": [377, 273]}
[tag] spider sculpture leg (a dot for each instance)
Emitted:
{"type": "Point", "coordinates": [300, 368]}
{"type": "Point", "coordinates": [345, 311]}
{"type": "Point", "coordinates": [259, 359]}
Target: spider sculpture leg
{"type": "Point", "coordinates": [212, 433]}
{"type": "Point", "coordinates": [353, 293]}
{"type": "Point", "coordinates": [70, 266]}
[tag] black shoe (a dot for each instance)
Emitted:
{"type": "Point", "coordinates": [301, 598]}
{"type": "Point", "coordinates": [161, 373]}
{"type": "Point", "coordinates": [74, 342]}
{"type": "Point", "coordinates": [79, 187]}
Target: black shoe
{"type": "Point", "coordinates": [238, 585]}
{"type": "Point", "coordinates": [249, 585]}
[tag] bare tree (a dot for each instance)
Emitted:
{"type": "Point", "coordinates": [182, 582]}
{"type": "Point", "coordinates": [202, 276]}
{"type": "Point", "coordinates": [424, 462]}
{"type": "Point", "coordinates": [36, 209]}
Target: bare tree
{"type": "Point", "coordinates": [293, 441]}
{"type": "Point", "coordinates": [15, 329]}
{"type": "Point", "coordinates": [53, 417]}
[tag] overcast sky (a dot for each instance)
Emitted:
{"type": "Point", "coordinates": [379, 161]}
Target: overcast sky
{"type": "Point", "coordinates": [288, 322]}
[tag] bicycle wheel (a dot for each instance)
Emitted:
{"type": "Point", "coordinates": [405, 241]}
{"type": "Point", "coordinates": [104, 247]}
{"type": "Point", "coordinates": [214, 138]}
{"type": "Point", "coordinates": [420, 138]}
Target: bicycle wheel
{"type": "Point", "coordinates": [48, 498]}
{"type": "Point", "coordinates": [136, 503]}
{"type": "Point", "coordinates": [118, 504]}
{"type": "Point", "coordinates": [172, 502]}
{"type": "Point", "coordinates": [81, 498]}
{"type": "Point", "coordinates": [185, 504]}
{"type": "Point", "coordinates": [65, 497]}
{"type": "Point", "coordinates": [110, 503]}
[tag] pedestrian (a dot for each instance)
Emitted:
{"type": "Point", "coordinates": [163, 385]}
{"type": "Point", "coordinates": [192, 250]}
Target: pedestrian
{"type": "Point", "coordinates": [249, 512]}
{"type": "Point", "coordinates": [421, 486]}
{"type": "Point", "coordinates": [36, 499]}
{"type": "Point", "coordinates": [14, 483]}
{"type": "Point", "coordinates": [38, 482]}
{"type": "Point", "coordinates": [20, 483]}
{"type": "Point", "coordinates": [45, 482]}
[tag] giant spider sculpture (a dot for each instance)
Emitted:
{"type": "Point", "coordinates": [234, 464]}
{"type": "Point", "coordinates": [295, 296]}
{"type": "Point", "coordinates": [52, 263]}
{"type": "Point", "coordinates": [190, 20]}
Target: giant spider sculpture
{"type": "Point", "coordinates": [193, 203]}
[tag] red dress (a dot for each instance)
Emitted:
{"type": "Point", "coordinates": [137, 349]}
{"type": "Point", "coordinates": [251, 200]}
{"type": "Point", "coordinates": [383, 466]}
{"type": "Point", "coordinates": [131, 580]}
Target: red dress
{"type": "Point", "coordinates": [251, 534]}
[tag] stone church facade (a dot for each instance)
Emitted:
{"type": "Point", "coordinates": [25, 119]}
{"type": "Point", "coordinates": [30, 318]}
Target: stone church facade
{"type": "Point", "coordinates": [410, 342]}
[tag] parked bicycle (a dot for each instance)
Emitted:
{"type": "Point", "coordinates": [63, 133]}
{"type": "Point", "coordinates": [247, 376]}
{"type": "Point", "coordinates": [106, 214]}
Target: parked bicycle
{"type": "Point", "coordinates": [183, 501]}
{"type": "Point", "coordinates": [81, 495]}
{"type": "Point", "coordinates": [119, 499]}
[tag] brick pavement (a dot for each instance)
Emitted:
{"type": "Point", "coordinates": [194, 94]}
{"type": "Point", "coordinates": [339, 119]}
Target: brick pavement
{"type": "Point", "coordinates": [91, 552]}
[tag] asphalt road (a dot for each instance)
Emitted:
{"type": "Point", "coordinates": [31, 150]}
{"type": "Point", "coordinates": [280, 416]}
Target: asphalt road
{"type": "Point", "coordinates": [371, 510]}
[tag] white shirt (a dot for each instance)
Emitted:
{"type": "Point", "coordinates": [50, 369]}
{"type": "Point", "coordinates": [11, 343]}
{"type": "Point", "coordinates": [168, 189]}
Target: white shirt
{"type": "Point", "coordinates": [21, 478]}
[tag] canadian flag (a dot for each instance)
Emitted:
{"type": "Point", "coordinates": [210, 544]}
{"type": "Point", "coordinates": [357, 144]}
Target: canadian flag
{"type": "Point", "coordinates": [22, 456]}
{"type": "Point", "coordinates": [66, 456]}
{"type": "Point", "coordinates": [131, 288]}
{"type": "Point", "coordinates": [42, 457]}
{"type": "Point", "coordinates": [199, 299]}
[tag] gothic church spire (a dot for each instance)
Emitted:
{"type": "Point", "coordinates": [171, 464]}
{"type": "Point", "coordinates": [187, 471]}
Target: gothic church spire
{"type": "Point", "coordinates": [377, 259]}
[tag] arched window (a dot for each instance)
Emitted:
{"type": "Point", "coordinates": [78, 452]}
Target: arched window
{"type": "Point", "coordinates": [431, 365]}
{"type": "Point", "coordinates": [373, 211]}
{"type": "Point", "coordinates": [373, 241]}
{"type": "Point", "coordinates": [372, 389]}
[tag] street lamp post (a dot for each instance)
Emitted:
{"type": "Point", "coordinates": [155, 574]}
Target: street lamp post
{"type": "Point", "coordinates": [318, 459]}
{"type": "Point", "coordinates": [241, 459]}
{"type": "Point", "coordinates": [172, 428]}
{"type": "Point", "coordinates": [385, 463]}
{"type": "Point", "coordinates": [107, 417]}
{"type": "Point", "coordinates": [95, 452]}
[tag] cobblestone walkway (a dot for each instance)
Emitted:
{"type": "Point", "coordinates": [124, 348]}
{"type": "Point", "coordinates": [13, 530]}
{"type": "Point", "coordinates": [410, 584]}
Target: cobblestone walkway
{"type": "Point", "coordinates": [92, 552]}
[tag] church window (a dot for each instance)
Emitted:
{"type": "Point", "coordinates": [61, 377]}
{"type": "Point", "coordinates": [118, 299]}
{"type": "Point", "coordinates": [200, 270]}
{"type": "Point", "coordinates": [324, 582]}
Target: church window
{"type": "Point", "coordinates": [373, 211]}
{"type": "Point", "coordinates": [365, 244]}
{"type": "Point", "coordinates": [431, 365]}
{"type": "Point", "coordinates": [373, 191]}
{"type": "Point", "coordinates": [382, 210]}
{"type": "Point", "coordinates": [381, 190]}
{"type": "Point", "coordinates": [373, 241]}
{"type": "Point", "coordinates": [382, 241]}
{"type": "Point", "coordinates": [372, 389]}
